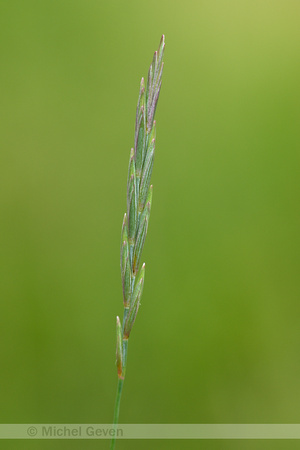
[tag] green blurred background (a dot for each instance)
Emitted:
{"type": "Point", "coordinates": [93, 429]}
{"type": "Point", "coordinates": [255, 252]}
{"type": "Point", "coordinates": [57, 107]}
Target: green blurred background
{"type": "Point", "coordinates": [217, 336]}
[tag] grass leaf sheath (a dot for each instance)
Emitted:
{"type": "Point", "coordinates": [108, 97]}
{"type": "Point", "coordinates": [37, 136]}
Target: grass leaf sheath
{"type": "Point", "coordinates": [136, 219]}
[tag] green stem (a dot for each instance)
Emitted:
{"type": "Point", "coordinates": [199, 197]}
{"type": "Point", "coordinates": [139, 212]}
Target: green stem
{"type": "Point", "coordinates": [117, 410]}
{"type": "Point", "coordinates": [120, 386]}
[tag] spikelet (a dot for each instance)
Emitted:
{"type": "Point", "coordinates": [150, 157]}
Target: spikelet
{"type": "Point", "coordinates": [139, 196]}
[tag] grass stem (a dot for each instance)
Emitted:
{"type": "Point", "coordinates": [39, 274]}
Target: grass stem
{"type": "Point", "coordinates": [117, 411]}
{"type": "Point", "coordinates": [136, 219]}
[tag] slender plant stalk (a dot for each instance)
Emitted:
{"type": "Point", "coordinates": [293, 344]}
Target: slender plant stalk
{"type": "Point", "coordinates": [136, 219]}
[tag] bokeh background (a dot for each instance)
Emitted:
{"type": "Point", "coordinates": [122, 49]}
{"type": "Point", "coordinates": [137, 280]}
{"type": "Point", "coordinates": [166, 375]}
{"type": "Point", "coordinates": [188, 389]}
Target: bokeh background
{"type": "Point", "coordinates": [217, 336]}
